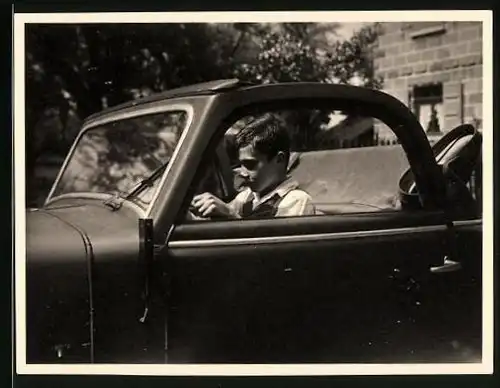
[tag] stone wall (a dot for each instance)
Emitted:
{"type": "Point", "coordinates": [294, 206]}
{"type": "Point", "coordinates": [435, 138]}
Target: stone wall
{"type": "Point", "coordinates": [449, 53]}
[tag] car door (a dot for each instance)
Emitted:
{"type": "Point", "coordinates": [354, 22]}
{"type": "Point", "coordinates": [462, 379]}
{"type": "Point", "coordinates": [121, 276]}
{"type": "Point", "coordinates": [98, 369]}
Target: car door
{"type": "Point", "coordinates": [318, 289]}
{"type": "Point", "coordinates": [335, 288]}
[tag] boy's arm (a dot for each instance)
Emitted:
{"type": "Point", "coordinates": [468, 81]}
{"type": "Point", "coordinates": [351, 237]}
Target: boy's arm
{"type": "Point", "coordinates": [208, 205]}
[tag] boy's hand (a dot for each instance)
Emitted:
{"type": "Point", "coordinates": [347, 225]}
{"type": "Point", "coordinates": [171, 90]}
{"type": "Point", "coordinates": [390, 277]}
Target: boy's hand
{"type": "Point", "coordinates": [208, 205]}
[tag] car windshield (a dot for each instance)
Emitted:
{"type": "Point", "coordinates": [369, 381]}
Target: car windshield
{"type": "Point", "coordinates": [112, 158]}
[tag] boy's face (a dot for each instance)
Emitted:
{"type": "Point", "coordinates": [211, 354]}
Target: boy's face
{"type": "Point", "coordinates": [258, 170]}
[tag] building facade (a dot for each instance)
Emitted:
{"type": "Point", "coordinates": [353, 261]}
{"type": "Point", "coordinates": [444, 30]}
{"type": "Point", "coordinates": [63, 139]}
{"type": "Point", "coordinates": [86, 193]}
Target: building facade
{"type": "Point", "coordinates": [435, 68]}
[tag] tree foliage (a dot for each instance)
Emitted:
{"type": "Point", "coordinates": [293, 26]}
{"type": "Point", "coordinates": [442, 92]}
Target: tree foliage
{"type": "Point", "coordinates": [73, 71]}
{"type": "Point", "coordinates": [296, 52]}
{"type": "Point", "coordinates": [354, 58]}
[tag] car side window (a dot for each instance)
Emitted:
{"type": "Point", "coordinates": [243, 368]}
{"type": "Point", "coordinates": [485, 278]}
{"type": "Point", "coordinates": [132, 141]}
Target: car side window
{"type": "Point", "coordinates": [309, 162]}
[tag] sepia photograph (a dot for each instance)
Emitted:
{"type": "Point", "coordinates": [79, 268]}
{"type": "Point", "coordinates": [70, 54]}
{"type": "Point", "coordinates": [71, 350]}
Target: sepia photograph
{"type": "Point", "coordinates": [287, 190]}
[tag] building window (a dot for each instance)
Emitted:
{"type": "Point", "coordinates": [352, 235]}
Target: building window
{"type": "Point", "coordinates": [424, 29]}
{"type": "Point", "coordinates": [428, 30]}
{"type": "Point", "coordinates": [428, 107]}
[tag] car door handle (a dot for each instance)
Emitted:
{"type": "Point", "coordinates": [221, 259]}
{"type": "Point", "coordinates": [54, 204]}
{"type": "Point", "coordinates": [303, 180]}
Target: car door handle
{"type": "Point", "coordinates": [448, 266]}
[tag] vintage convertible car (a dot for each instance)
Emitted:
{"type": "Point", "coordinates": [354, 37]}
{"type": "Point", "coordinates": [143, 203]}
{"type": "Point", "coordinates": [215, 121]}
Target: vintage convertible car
{"type": "Point", "coordinates": [116, 274]}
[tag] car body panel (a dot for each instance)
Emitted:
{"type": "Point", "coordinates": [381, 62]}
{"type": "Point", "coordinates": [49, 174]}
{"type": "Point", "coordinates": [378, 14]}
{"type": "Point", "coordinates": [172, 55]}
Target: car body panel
{"type": "Point", "coordinates": [90, 256]}
{"type": "Point", "coordinates": [57, 288]}
{"type": "Point", "coordinates": [321, 295]}
{"type": "Point", "coordinates": [345, 288]}
{"type": "Point", "coordinates": [111, 233]}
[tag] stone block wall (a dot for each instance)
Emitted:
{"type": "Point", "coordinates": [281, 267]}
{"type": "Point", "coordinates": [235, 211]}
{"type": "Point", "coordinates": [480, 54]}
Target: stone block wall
{"type": "Point", "coordinates": [423, 53]}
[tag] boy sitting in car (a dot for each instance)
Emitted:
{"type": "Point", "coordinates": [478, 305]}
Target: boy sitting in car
{"type": "Point", "coordinates": [264, 153]}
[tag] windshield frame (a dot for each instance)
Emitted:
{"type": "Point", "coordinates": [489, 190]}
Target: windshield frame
{"type": "Point", "coordinates": [119, 116]}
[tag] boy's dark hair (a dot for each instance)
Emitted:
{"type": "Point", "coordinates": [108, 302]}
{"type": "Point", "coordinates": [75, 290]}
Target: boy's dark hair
{"type": "Point", "coordinates": [267, 135]}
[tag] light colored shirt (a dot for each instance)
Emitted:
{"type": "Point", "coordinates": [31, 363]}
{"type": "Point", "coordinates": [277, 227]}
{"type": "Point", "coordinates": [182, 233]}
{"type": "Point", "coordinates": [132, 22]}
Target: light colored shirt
{"type": "Point", "coordinates": [294, 201]}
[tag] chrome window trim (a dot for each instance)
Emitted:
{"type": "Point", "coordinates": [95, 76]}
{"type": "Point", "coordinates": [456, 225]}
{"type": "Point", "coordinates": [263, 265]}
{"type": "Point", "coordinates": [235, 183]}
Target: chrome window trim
{"type": "Point", "coordinates": [476, 222]}
{"type": "Point", "coordinates": [124, 116]}
{"type": "Point", "coordinates": [145, 111]}
{"type": "Point", "coordinates": [232, 242]}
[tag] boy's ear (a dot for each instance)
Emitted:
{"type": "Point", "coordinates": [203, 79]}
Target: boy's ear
{"type": "Point", "coordinates": [280, 157]}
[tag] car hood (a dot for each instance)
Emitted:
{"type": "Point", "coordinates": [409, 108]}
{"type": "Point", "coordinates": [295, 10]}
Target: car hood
{"type": "Point", "coordinates": [57, 233]}
{"type": "Point", "coordinates": [81, 263]}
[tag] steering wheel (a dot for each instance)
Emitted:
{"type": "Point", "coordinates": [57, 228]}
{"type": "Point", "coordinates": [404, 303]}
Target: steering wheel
{"type": "Point", "coordinates": [457, 153]}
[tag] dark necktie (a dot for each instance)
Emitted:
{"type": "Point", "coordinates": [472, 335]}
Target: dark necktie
{"type": "Point", "coordinates": [247, 208]}
{"type": "Point", "coordinates": [266, 209]}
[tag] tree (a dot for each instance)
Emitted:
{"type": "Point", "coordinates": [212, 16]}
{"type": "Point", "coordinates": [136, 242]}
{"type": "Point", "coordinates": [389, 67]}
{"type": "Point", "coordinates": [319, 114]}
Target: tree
{"type": "Point", "coordinates": [352, 60]}
{"type": "Point", "coordinates": [293, 52]}
{"type": "Point", "coordinates": [73, 71]}
{"type": "Point", "coordinates": [96, 66]}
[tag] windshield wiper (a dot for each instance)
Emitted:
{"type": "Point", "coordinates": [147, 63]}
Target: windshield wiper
{"type": "Point", "coordinates": [147, 182]}
{"type": "Point", "coordinates": [116, 201]}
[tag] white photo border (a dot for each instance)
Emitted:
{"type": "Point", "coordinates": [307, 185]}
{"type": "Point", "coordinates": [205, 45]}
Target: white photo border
{"type": "Point", "coordinates": [21, 19]}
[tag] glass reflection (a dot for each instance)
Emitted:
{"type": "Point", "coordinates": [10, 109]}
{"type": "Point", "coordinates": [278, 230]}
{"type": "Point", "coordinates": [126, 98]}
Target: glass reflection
{"type": "Point", "coordinates": [113, 158]}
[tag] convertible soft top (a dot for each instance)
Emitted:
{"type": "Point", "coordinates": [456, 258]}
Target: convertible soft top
{"type": "Point", "coordinates": [346, 177]}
